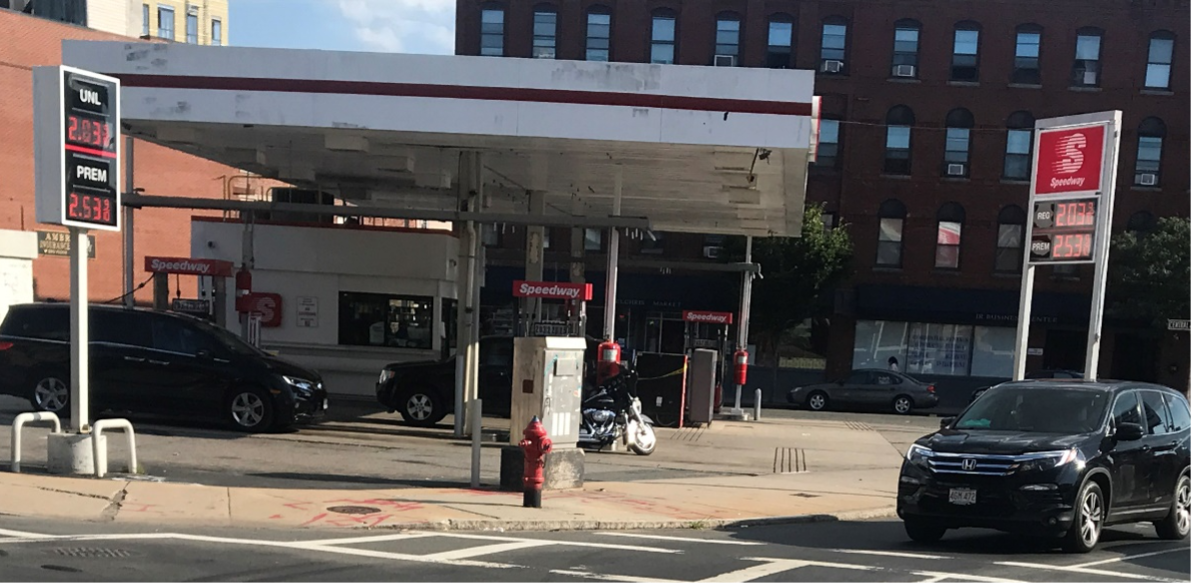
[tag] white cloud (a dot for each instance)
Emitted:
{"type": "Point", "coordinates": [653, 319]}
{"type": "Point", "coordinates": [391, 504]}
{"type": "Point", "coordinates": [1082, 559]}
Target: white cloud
{"type": "Point", "coordinates": [403, 26]}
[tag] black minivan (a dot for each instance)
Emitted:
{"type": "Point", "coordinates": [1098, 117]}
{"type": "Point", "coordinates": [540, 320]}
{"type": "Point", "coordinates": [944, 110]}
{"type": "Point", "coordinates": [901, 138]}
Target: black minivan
{"type": "Point", "coordinates": [154, 362]}
{"type": "Point", "coordinates": [1058, 458]}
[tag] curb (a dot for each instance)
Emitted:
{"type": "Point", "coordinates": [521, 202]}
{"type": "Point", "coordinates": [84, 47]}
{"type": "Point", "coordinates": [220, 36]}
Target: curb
{"type": "Point", "coordinates": [695, 524]}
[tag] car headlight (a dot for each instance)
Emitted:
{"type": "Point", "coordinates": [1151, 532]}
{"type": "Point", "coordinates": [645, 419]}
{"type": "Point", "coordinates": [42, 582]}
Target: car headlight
{"type": "Point", "coordinates": [299, 384]}
{"type": "Point", "coordinates": [1041, 461]}
{"type": "Point", "coordinates": [386, 374]}
{"type": "Point", "coordinates": [918, 455]}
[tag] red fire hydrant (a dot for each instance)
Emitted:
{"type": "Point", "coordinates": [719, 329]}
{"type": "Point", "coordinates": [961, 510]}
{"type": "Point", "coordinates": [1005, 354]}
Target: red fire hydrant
{"type": "Point", "coordinates": [535, 446]}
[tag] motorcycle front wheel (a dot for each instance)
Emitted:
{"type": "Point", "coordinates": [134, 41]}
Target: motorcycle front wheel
{"type": "Point", "coordinates": [644, 439]}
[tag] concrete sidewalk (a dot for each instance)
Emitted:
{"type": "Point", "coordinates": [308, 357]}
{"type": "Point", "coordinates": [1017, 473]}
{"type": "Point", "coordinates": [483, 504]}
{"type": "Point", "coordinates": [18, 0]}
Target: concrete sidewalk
{"type": "Point", "coordinates": [730, 472]}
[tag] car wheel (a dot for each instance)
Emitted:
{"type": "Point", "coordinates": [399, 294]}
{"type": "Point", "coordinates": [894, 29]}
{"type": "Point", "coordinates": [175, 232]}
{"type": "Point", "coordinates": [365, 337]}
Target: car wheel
{"type": "Point", "coordinates": [923, 531]}
{"type": "Point", "coordinates": [902, 404]}
{"type": "Point", "coordinates": [51, 393]}
{"type": "Point", "coordinates": [1177, 524]}
{"type": "Point", "coordinates": [817, 401]}
{"type": "Point", "coordinates": [250, 409]}
{"type": "Point", "coordinates": [1089, 512]}
{"type": "Point", "coordinates": [422, 408]}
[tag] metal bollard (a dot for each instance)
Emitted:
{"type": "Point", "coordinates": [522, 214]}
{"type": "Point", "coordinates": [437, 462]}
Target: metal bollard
{"type": "Point", "coordinates": [476, 479]}
{"type": "Point", "coordinates": [758, 404]}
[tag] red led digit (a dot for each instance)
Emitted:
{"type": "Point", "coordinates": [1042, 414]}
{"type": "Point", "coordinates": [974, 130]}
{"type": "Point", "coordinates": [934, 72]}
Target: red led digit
{"type": "Point", "coordinates": [73, 211]}
{"type": "Point", "coordinates": [96, 207]}
{"type": "Point", "coordinates": [107, 217]}
{"type": "Point", "coordinates": [74, 126]}
{"type": "Point", "coordinates": [1059, 221]}
{"type": "Point", "coordinates": [1087, 244]}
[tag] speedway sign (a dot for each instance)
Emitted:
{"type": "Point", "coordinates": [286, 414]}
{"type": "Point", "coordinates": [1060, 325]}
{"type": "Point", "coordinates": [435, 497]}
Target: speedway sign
{"type": "Point", "coordinates": [721, 318]}
{"type": "Point", "coordinates": [547, 290]}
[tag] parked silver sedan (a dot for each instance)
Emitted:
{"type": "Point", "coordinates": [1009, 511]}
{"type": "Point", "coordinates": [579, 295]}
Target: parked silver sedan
{"type": "Point", "coordinates": [874, 388]}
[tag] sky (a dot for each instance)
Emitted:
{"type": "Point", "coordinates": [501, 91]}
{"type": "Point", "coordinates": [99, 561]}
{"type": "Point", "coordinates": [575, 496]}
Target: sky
{"type": "Point", "coordinates": [394, 26]}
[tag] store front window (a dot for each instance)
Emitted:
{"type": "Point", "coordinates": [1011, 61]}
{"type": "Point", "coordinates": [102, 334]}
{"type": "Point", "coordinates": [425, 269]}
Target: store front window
{"type": "Point", "coordinates": [934, 349]}
{"type": "Point", "coordinates": [379, 319]}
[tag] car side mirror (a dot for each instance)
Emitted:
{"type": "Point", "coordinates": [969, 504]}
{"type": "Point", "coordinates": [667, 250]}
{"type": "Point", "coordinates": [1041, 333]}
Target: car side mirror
{"type": "Point", "coordinates": [946, 422]}
{"type": "Point", "coordinates": [1129, 432]}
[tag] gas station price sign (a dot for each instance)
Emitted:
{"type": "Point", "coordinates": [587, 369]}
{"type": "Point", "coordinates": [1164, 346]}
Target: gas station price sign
{"type": "Point", "coordinates": [77, 142]}
{"type": "Point", "coordinates": [1063, 231]}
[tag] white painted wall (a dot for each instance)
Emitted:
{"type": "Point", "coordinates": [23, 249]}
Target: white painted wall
{"type": "Point", "coordinates": [321, 262]}
{"type": "Point", "coordinates": [17, 251]}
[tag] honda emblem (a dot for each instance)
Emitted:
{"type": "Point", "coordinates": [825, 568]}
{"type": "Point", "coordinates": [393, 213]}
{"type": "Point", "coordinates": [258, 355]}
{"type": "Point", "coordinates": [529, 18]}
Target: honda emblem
{"type": "Point", "coordinates": [969, 464]}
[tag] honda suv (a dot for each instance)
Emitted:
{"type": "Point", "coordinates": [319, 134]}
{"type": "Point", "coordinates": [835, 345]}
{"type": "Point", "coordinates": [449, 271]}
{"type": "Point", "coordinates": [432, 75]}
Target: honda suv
{"type": "Point", "coordinates": [1054, 458]}
{"type": "Point", "coordinates": [154, 362]}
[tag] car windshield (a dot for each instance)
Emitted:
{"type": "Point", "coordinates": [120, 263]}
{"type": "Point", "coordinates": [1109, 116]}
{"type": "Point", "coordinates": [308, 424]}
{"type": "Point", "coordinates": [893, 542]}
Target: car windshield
{"type": "Point", "coordinates": [227, 339]}
{"type": "Point", "coordinates": [1041, 409]}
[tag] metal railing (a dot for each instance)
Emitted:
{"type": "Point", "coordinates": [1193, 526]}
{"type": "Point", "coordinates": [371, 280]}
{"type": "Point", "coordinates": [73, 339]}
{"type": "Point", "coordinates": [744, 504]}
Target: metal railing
{"type": "Point", "coordinates": [97, 428]}
{"type": "Point", "coordinates": [20, 422]}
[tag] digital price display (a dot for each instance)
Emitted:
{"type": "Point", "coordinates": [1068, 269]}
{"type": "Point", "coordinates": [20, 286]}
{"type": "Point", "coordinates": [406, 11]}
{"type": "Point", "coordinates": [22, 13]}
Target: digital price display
{"type": "Point", "coordinates": [1063, 231]}
{"type": "Point", "coordinates": [77, 148]}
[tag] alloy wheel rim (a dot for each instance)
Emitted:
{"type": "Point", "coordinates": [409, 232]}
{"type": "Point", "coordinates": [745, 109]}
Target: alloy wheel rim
{"type": "Point", "coordinates": [902, 405]}
{"type": "Point", "coordinates": [419, 406]}
{"type": "Point", "coordinates": [1091, 517]}
{"type": "Point", "coordinates": [816, 401]}
{"type": "Point", "coordinates": [52, 394]}
{"type": "Point", "coordinates": [1183, 507]}
{"type": "Point", "coordinates": [248, 409]}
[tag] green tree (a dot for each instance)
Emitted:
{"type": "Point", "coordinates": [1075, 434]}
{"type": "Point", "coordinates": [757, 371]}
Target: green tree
{"type": "Point", "coordinates": [796, 271]}
{"type": "Point", "coordinates": [1149, 273]}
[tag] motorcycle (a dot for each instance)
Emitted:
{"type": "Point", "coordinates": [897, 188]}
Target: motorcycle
{"type": "Point", "coordinates": [613, 412]}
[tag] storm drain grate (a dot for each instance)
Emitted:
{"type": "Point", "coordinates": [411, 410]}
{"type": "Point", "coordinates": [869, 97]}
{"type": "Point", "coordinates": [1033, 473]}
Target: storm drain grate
{"type": "Point", "coordinates": [354, 510]}
{"type": "Point", "coordinates": [858, 426]}
{"type": "Point", "coordinates": [789, 460]}
{"type": "Point", "coordinates": [92, 552]}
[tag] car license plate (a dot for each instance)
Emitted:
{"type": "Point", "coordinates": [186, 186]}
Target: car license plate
{"type": "Point", "coordinates": [963, 496]}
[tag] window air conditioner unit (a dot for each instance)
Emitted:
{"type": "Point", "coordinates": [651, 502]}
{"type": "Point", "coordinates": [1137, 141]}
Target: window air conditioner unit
{"type": "Point", "coordinates": [713, 252]}
{"type": "Point", "coordinates": [905, 71]}
{"type": "Point", "coordinates": [831, 66]}
{"type": "Point", "coordinates": [955, 169]}
{"type": "Point", "coordinates": [1090, 77]}
{"type": "Point", "coordinates": [1146, 179]}
{"type": "Point", "coordinates": [724, 60]}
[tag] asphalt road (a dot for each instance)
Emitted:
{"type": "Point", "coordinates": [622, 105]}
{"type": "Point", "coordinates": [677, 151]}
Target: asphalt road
{"type": "Point", "coordinates": [872, 551]}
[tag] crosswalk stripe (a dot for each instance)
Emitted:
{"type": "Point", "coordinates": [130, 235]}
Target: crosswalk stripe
{"type": "Point", "coordinates": [1092, 571]}
{"type": "Point", "coordinates": [758, 571]}
{"type": "Point", "coordinates": [1129, 557]}
{"type": "Point", "coordinates": [939, 576]}
{"type": "Point", "coordinates": [609, 577]}
{"type": "Point", "coordinates": [638, 548]}
{"type": "Point", "coordinates": [898, 554]}
{"type": "Point", "coordinates": [672, 538]}
{"type": "Point", "coordinates": [355, 540]}
{"type": "Point", "coordinates": [481, 550]}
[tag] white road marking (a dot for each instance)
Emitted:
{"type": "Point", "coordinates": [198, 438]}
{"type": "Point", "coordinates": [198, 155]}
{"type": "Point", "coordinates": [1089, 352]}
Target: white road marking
{"type": "Point", "coordinates": [1129, 557]}
{"type": "Point", "coordinates": [1091, 571]}
{"type": "Point", "coordinates": [369, 539]}
{"type": "Point", "coordinates": [684, 539]}
{"type": "Point", "coordinates": [480, 550]}
{"type": "Point", "coordinates": [939, 576]}
{"type": "Point", "coordinates": [15, 533]}
{"type": "Point", "coordinates": [775, 566]}
{"type": "Point", "coordinates": [898, 554]}
{"type": "Point", "coordinates": [638, 548]}
{"type": "Point", "coordinates": [398, 556]}
{"type": "Point", "coordinates": [610, 577]}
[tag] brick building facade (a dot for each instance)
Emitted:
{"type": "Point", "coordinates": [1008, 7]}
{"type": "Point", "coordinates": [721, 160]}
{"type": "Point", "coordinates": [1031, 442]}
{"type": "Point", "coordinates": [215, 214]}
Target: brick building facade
{"type": "Point", "coordinates": [923, 153]}
{"type": "Point", "coordinates": [25, 42]}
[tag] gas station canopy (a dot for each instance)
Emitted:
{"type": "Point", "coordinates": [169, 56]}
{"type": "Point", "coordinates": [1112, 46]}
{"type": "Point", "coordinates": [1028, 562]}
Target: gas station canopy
{"type": "Point", "coordinates": [699, 149]}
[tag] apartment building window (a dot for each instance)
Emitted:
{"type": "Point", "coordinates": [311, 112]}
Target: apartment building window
{"type": "Point", "coordinates": [1026, 68]}
{"type": "Point", "coordinates": [779, 41]}
{"type": "Point", "coordinates": [1141, 223]}
{"type": "Point", "coordinates": [493, 30]}
{"type": "Point", "coordinates": [1087, 52]}
{"type": "Point", "coordinates": [1150, 136]}
{"type": "Point", "coordinates": [726, 40]}
{"type": "Point", "coordinates": [950, 218]}
{"type": "Point", "coordinates": [145, 20]}
{"type": "Point", "coordinates": [827, 143]}
{"type": "Point", "coordinates": [217, 32]}
{"type": "Point", "coordinates": [833, 45]}
{"type": "Point", "coordinates": [1160, 60]}
{"type": "Point", "coordinates": [1017, 156]}
{"type": "Point", "coordinates": [905, 55]}
{"type": "Point", "coordinates": [663, 36]}
{"type": "Point", "coordinates": [890, 250]}
{"type": "Point", "coordinates": [897, 158]}
{"type": "Point", "coordinates": [543, 43]}
{"type": "Point", "coordinates": [965, 58]}
{"type": "Point", "coordinates": [957, 143]}
{"type": "Point", "coordinates": [193, 27]}
{"type": "Point", "coordinates": [597, 34]}
{"type": "Point", "coordinates": [165, 22]}
{"type": "Point", "coordinates": [1009, 242]}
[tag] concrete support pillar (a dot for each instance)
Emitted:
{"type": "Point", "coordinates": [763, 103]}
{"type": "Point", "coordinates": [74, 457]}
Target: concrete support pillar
{"type": "Point", "coordinates": [531, 308]}
{"type": "Point", "coordinates": [246, 262]}
{"type": "Point", "coordinates": [130, 267]}
{"type": "Point", "coordinates": [576, 266]}
{"type": "Point", "coordinates": [611, 271]}
{"type": "Point", "coordinates": [466, 279]}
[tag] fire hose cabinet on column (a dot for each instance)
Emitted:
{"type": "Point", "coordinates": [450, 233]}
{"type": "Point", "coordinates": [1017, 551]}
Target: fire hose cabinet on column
{"type": "Point", "coordinates": [547, 383]}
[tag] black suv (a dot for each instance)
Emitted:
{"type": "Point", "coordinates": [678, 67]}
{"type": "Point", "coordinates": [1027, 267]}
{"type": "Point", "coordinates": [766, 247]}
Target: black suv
{"type": "Point", "coordinates": [425, 392]}
{"type": "Point", "coordinates": [1054, 458]}
{"type": "Point", "coordinates": [154, 362]}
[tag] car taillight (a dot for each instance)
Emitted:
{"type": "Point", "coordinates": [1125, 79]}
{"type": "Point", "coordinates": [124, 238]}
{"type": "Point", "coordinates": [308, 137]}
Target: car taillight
{"type": "Point", "coordinates": [5, 345]}
{"type": "Point", "coordinates": [932, 389]}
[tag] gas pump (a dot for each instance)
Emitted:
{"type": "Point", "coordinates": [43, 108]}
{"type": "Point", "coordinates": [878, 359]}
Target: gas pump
{"type": "Point", "coordinates": [709, 330]}
{"type": "Point", "coordinates": [560, 308]}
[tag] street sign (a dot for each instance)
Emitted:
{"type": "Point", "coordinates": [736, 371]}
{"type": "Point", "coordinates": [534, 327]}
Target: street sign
{"type": "Point", "coordinates": [1071, 198]}
{"type": "Point", "coordinates": [54, 243]}
{"type": "Point", "coordinates": [708, 317]}
{"type": "Point", "coordinates": [77, 143]}
{"type": "Point", "coordinates": [546, 290]}
{"type": "Point", "coordinates": [195, 306]}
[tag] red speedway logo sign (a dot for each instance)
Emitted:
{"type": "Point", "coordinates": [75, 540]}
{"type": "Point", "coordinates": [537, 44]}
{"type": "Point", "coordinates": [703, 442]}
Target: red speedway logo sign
{"type": "Point", "coordinates": [543, 290]}
{"type": "Point", "coordinates": [188, 266]}
{"type": "Point", "coordinates": [709, 317]}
